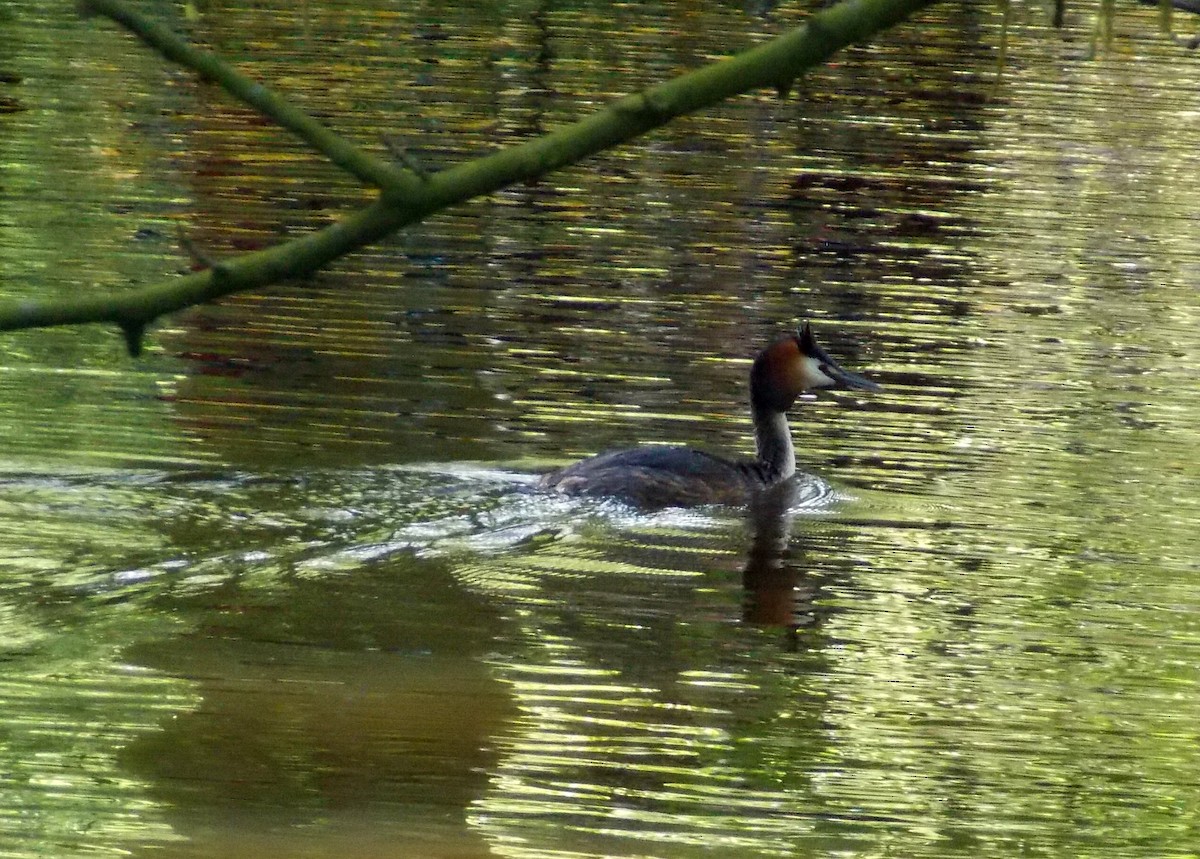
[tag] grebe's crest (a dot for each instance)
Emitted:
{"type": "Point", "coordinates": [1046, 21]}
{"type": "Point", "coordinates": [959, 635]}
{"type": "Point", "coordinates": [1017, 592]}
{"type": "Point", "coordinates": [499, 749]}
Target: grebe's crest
{"type": "Point", "coordinates": [794, 364]}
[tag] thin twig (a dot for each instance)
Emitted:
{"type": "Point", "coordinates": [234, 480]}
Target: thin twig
{"type": "Point", "coordinates": [198, 256]}
{"type": "Point", "coordinates": [402, 154]}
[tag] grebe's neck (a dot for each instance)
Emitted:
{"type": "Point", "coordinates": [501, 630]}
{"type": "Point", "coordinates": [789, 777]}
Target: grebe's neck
{"type": "Point", "coordinates": [776, 457]}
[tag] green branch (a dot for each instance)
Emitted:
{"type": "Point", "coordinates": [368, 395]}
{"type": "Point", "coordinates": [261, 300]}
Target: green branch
{"type": "Point", "coordinates": [405, 197]}
{"type": "Point", "coordinates": [343, 153]}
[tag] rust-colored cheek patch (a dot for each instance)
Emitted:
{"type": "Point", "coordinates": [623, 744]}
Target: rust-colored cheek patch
{"type": "Point", "coordinates": [787, 367]}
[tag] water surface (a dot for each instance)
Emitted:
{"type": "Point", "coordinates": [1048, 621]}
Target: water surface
{"type": "Point", "coordinates": [282, 585]}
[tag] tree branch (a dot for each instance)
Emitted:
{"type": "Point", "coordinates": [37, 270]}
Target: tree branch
{"type": "Point", "coordinates": [343, 153]}
{"type": "Point", "coordinates": [406, 198]}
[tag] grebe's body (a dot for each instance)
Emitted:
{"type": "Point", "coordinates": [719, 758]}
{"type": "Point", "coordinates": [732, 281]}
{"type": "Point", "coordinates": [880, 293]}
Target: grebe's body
{"type": "Point", "coordinates": [683, 477]}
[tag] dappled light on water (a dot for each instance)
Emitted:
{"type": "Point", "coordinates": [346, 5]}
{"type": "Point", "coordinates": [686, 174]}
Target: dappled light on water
{"type": "Point", "coordinates": [285, 586]}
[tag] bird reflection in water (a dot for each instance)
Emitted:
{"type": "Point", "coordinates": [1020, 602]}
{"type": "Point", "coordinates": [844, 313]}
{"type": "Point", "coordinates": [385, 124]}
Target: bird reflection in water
{"type": "Point", "coordinates": [769, 485]}
{"type": "Point", "coordinates": [777, 590]}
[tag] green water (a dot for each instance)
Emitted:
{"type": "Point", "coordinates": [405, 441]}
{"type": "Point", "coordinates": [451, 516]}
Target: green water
{"type": "Point", "coordinates": [281, 587]}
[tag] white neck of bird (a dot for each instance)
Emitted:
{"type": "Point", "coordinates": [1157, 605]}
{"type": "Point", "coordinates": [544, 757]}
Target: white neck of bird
{"type": "Point", "coordinates": [774, 442]}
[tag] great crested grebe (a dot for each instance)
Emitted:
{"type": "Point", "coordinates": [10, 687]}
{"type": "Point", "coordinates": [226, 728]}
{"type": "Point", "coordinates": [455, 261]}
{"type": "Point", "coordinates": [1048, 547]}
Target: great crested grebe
{"type": "Point", "coordinates": [656, 477]}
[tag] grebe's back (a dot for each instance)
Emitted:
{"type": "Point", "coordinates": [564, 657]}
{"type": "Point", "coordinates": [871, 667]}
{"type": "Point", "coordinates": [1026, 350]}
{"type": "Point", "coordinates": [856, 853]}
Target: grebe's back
{"type": "Point", "coordinates": [654, 477]}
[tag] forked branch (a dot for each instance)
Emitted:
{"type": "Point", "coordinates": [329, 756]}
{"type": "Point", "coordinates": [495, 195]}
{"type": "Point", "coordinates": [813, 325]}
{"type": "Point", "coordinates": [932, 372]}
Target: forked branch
{"type": "Point", "coordinates": [407, 196]}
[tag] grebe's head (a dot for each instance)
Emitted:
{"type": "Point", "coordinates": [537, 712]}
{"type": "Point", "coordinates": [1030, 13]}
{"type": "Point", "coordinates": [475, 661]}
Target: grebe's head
{"type": "Point", "coordinates": [794, 364]}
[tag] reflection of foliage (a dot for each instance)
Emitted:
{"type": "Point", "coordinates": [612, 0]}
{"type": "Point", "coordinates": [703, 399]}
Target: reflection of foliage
{"type": "Point", "coordinates": [411, 194]}
{"type": "Point", "coordinates": [152, 690]}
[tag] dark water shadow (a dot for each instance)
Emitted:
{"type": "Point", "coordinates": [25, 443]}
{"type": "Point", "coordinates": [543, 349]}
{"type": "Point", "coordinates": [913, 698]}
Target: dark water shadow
{"type": "Point", "coordinates": [352, 641]}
